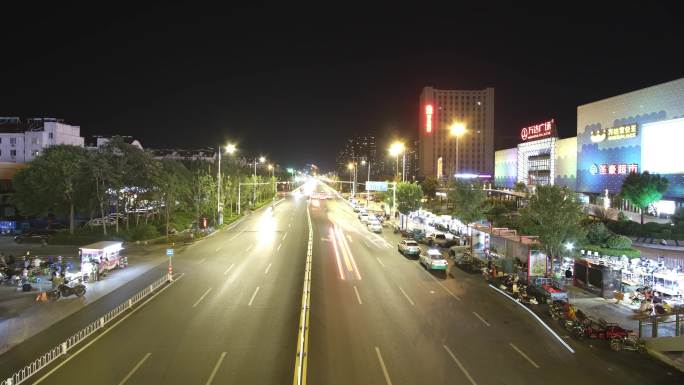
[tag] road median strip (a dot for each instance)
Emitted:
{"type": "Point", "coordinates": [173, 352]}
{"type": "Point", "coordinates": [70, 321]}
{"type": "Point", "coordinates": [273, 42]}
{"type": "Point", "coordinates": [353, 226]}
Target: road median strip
{"type": "Point", "coordinates": [301, 356]}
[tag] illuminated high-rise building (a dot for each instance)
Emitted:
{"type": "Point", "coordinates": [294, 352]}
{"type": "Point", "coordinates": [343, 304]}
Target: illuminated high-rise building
{"type": "Point", "coordinates": [440, 142]}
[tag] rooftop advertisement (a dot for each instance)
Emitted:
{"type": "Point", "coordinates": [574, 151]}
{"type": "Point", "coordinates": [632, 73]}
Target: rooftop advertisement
{"type": "Point", "coordinates": [610, 133]}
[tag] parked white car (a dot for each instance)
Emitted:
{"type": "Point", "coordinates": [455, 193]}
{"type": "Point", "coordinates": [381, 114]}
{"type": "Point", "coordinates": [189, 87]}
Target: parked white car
{"type": "Point", "coordinates": [408, 247]}
{"type": "Point", "coordinates": [363, 218]}
{"type": "Point", "coordinates": [433, 260]}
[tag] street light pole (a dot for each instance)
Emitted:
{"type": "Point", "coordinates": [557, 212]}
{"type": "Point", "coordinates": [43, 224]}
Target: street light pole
{"type": "Point", "coordinates": [218, 190]}
{"type": "Point", "coordinates": [356, 169]}
{"type": "Point", "coordinates": [367, 190]}
{"type": "Point", "coordinates": [230, 149]}
{"type": "Point", "coordinates": [403, 166]}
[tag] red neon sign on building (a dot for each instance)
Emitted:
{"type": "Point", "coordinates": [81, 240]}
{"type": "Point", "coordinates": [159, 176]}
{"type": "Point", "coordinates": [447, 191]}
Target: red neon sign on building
{"type": "Point", "coordinates": [428, 118]}
{"type": "Point", "coordinates": [538, 131]}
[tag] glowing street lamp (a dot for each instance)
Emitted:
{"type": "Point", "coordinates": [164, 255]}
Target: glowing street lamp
{"type": "Point", "coordinates": [230, 149]}
{"type": "Point", "coordinates": [395, 149]}
{"type": "Point", "coordinates": [262, 159]}
{"type": "Point", "coordinates": [457, 129]}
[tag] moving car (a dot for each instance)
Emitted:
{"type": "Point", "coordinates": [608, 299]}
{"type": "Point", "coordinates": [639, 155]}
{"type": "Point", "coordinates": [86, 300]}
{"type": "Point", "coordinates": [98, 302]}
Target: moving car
{"type": "Point", "coordinates": [433, 260]}
{"type": "Point", "coordinates": [34, 237]}
{"type": "Point", "coordinates": [375, 226]}
{"type": "Point", "coordinates": [408, 247]}
{"type": "Point", "coordinates": [362, 211]}
{"type": "Point", "coordinates": [439, 239]}
{"type": "Point", "coordinates": [363, 218]}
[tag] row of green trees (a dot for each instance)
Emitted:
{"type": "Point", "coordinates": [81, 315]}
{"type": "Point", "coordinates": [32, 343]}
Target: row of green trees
{"type": "Point", "coordinates": [122, 179]}
{"type": "Point", "coordinates": [553, 213]}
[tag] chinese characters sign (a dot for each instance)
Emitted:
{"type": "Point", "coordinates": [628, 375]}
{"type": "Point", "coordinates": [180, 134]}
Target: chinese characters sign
{"type": "Point", "coordinates": [538, 131]}
{"type": "Point", "coordinates": [614, 133]}
{"type": "Point", "coordinates": [613, 169]}
{"type": "Point", "coordinates": [428, 118]}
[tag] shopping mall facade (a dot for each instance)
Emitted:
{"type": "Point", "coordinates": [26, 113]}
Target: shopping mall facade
{"type": "Point", "coordinates": [637, 131]}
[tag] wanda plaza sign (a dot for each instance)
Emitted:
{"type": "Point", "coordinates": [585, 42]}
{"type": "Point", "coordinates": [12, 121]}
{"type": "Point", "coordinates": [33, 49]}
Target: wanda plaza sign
{"type": "Point", "coordinates": [538, 131]}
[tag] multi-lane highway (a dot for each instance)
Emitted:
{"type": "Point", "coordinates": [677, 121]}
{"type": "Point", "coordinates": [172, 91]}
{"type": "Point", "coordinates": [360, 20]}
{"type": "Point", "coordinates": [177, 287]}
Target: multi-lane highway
{"type": "Point", "coordinates": [380, 318]}
{"type": "Point", "coordinates": [233, 317]}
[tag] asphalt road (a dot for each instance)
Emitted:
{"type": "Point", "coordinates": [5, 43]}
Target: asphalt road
{"type": "Point", "coordinates": [230, 319]}
{"type": "Point", "coordinates": [380, 318]}
{"type": "Point", "coordinates": [376, 317]}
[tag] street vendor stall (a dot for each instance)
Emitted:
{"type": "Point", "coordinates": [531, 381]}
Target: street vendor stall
{"type": "Point", "coordinates": [100, 257]}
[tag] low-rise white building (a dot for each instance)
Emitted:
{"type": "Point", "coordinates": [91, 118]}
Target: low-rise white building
{"type": "Point", "coordinates": [21, 140]}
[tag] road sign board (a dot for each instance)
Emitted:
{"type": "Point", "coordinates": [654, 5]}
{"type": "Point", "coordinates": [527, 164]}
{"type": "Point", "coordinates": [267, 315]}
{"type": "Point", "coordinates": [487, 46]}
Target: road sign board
{"type": "Point", "coordinates": [376, 186]}
{"type": "Point", "coordinates": [169, 252]}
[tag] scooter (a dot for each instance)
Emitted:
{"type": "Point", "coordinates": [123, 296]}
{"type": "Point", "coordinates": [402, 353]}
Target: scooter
{"type": "Point", "coordinates": [64, 290]}
{"type": "Point", "coordinates": [628, 343]}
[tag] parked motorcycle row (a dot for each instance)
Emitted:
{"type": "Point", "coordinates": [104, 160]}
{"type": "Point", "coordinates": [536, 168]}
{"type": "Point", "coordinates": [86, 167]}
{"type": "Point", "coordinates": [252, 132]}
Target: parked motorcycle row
{"type": "Point", "coordinates": [515, 287]}
{"type": "Point", "coordinates": [583, 327]}
{"type": "Point", "coordinates": [26, 271]}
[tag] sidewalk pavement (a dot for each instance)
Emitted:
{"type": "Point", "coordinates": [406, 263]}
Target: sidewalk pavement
{"type": "Point", "coordinates": [23, 317]}
{"type": "Point", "coordinates": [624, 315]}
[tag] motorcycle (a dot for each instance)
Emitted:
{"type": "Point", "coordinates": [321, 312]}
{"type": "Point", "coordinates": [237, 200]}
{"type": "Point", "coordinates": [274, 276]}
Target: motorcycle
{"type": "Point", "coordinates": [628, 343]}
{"type": "Point", "coordinates": [64, 290]}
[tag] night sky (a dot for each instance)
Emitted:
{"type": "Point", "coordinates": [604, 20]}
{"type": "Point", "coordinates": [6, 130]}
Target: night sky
{"type": "Point", "coordinates": [293, 83]}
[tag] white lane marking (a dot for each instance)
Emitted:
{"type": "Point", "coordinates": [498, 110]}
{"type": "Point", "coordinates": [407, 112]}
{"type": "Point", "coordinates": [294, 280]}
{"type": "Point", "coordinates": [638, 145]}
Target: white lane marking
{"type": "Point", "coordinates": [406, 295]}
{"type": "Point", "coordinates": [228, 269]}
{"type": "Point", "coordinates": [279, 246]}
{"type": "Point", "coordinates": [268, 268]}
{"type": "Point", "coordinates": [537, 318]}
{"type": "Point", "coordinates": [451, 293]}
{"type": "Point", "coordinates": [350, 238]}
{"type": "Point", "coordinates": [289, 225]}
{"type": "Point", "coordinates": [284, 235]}
{"type": "Point", "coordinates": [482, 319]}
{"type": "Point", "coordinates": [202, 261]}
{"type": "Point", "coordinates": [463, 369]}
{"type": "Point", "coordinates": [524, 355]}
{"type": "Point", "coordinates": [380, 261]}
{"type": "Point", "coordinates": [135, 368]}
{"type": "Point", "coordinates": [106, 330]}
{"type": "Point", "coordinates": [249, 248]}
{"type": "Point", "coordinates": [382, 365]}
{"type": "Point", "coordinates": [358, 297]}
{"type": "Point", "coordinates": [216, 368]}
{"type": "Point", "coordinates": [236, 235]}
{"type": "Point", "coordinates": [253, 295]}
{"type": "Point", "coordinates": [201, 298]}
{"type": "Point", "coordinates": [218, 248]}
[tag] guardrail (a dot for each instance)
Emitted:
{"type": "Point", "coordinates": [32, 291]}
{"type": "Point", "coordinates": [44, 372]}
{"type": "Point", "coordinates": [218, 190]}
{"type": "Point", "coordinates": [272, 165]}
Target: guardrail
{"type": "Point", "coordinates": [62, 349]}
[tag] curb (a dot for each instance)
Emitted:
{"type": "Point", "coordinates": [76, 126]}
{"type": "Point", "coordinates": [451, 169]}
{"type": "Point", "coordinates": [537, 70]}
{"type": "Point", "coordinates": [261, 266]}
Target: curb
{"type": "Point", "coordinates": [547, 327]}
{"type": "Point", "coordinates": [665, 359]}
